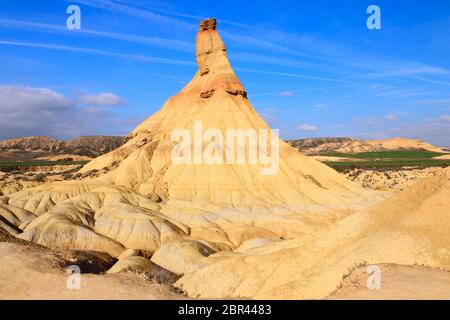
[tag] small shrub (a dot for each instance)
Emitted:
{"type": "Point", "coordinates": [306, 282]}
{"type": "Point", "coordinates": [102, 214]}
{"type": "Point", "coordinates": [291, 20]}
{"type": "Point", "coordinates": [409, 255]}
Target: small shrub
{"type": "Point", "coordinates": [39, 177]}
{"type": "Point", "coordinates": [67, 176]}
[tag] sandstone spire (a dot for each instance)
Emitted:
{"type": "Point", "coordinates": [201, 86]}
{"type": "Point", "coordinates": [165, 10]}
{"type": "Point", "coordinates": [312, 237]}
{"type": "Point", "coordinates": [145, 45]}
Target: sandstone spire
{"type": "Point", "coordinates": [214, 69]}
{"type": "Point", "coordinates": [139, 187]}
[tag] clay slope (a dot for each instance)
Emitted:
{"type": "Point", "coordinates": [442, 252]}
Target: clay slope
{"type": "Point", "coordinates": [411, 228]}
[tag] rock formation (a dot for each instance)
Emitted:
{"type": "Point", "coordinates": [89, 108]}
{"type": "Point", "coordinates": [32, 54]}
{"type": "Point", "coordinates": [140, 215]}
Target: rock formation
{"type": "Point", "coordinates": [349, 145]}
{"type": "Point", "coordinates": [236, 231]}
{"type": "Point", "coordinates": [45, 148]}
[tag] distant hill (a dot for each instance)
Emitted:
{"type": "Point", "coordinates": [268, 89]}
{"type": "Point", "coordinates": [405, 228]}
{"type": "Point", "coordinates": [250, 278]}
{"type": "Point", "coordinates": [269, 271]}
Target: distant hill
{"type": "Point", "coordinates": [89, 147]}
{"type": "Point", "coordinates": [93, 146]}
{"type": "Point", "coordinates": [36, 147]}
{"type": "Point", "coordinates": [350, 145]}
{"type": "Point", "coordinates": [30, 144]}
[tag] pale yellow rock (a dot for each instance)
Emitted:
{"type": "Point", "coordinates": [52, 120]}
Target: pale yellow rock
{"type": "Point", "coordinates": [410, 228]}
{"type": "Point", "coordinates": [129, 253]}
{"type": "Point", "coordinates": [141, 265]}
{"type": "Point", "coordinates": [133, 264]}
{"type": "Point", "coordinates": [15, 215]}
{"type": "Point", "coordinates": [34, 273]}
{"type": "Point", "coordinates": [183, 256]}
{"type": "Point", "coordinates": [445, 157]}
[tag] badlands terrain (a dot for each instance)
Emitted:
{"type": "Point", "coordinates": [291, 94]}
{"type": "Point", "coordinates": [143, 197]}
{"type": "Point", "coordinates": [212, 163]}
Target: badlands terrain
{"type": "Point", "coordinates": [350, 145]}
{"type": "Point", "coordinates": [45, 148]}
{"type": "Point", "coordinates": [139, 225]}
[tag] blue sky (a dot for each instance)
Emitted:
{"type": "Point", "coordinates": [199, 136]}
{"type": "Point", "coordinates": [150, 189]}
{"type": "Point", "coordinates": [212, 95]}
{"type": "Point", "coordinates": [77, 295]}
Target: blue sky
{"type": "Point", "coordinates": [311, 68]}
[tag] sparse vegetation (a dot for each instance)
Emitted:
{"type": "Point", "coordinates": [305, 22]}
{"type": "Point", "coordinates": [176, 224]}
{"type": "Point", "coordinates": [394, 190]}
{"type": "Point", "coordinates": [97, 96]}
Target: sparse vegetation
{"type": "Point", "coordinates": [387, 159]}
{"type": "Point", "coordinates": [391, 164]}
{"type": "Point", "coordinates": [399, 154]}
{"type": "Point", "coordinates": [12, 166]}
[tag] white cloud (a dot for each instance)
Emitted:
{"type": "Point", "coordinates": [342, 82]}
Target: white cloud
{"type": "Point", "coordinates": [102, 99]}
{"type": "Point", "coordinates": [407, 68]}
{"type": "Point", "coordinates": [286, 93]}
{"type": "Point", "coordinates": [15, 99]}
{"type": "Point", "coordinates": [444, 118]}
{"type": "Point", "coordinates": [307, 127]}
{"type": "Point", "coordinates": [27, 111]}
{"type": "Point", "coordinates": [391, 117]}
{"type": "Point", "coordinates": [133, 38]}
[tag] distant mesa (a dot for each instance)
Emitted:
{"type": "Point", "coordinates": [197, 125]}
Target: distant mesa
{"type": "Point", "coordinates": [42, 147]}
{"type": "Point", "coordinates": [350, 145]}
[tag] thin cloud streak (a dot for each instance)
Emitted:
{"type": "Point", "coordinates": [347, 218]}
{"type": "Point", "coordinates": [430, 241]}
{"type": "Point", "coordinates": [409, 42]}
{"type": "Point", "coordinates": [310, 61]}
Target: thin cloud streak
{"type": "Point", "coordinates": [148, 6]}
{"type": "Point", "coordinates": [136, 12]}
{"type": "Point", "coordinates": [146, 40]}
{"type": "Point", "coordinates": [443, 83]}
{"type": "Point", "coordinates": [145, 58]}
{"type": "Point", "coordinates": [292, 75]}
{"type": "Point", "coordinates": [304, 90]}
{"type": "Point", "coordinates": [135, 57]}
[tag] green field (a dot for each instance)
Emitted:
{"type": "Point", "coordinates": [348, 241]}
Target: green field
{"type": "Point", "coordinates": [387, 159]}
{"type": "Point", "coordinates": [403, 154]}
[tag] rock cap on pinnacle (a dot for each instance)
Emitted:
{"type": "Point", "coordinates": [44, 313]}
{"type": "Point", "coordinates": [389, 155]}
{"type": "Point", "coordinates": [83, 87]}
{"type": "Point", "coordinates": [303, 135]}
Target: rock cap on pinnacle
{"type": "Point", "coordinates": [208, 24]}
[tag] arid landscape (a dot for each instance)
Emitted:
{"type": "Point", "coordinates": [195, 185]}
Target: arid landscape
{"type": "Point", "coordinates": [305, 223]}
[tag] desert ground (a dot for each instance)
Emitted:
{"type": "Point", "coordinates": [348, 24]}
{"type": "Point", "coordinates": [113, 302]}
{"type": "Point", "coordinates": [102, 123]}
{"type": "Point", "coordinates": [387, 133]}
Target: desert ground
{"type": "Point", "coordinates": [138, 225]}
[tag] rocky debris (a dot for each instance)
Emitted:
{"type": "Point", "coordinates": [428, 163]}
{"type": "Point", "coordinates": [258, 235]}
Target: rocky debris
{"type": "Point", "coordinates": [141, 265]}
{"type": "Point", "coordinates": [39, 177]}
{"type": "Point", "coordinates": [154, 197]}
{"type": "Point", "coordinates": [67, 176]}
{"type": "Point", "coordinates": [87, 261]}
{"type": "Point", "coordinates": [386, 180]}
{"type": "Point", "coordinates": [207, 94]}
{"type": "Point", "coordinates": [141, 143]}
{"type": "Point", "coordinates": [130, 253]}
{"type": "Point", "coordinates": [183, 257]}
